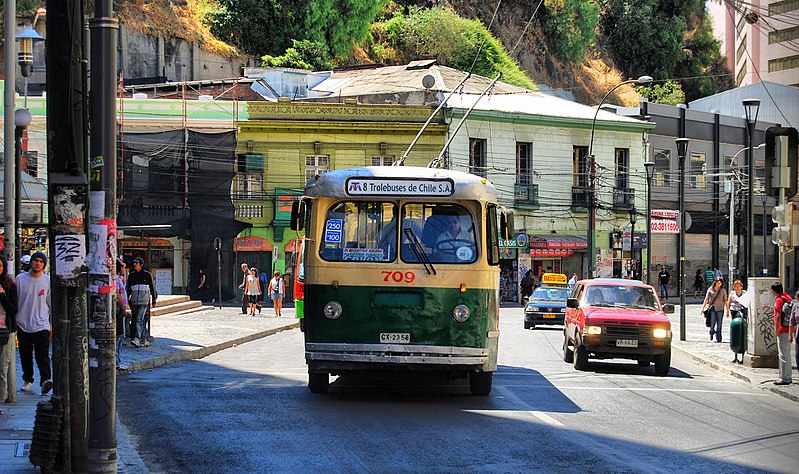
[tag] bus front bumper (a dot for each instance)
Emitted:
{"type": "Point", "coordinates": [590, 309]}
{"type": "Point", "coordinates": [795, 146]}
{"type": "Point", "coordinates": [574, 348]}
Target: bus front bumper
{"type": "Point", "coordinates": [402, 354]}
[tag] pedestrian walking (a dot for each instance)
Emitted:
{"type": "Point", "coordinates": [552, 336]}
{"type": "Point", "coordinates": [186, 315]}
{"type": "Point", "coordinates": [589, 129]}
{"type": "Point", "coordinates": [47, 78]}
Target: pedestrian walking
{"type": "Point", "coordinates": [710, 277]}
{"type": "Point", "coordinates": [784, 338]}
{"type": "Point", "coordinates": [245, 301]}
{"type": "Point", "coordinates": [33, 323]}
{"type": "Point", "coordinates": [664, 277]}
{"type": "Point", "coordinates": [737, 304]}
{"type": "Point", "coordinates": [8, 334]}
{"type": "Point", "coordinates": [277, 288]}
{"type": "Point", "coordinates": [699, 282]}
{"type": "Point", "coordinates": [572, 282]}
{"type": "Point", "coordinates": [252, 288]}
{"type": "Point", "coordinates": [200, 292]}
{"type": "Point", "coordinates": [141, 296]}
{"type": "Point", "coordinates": [715, 300]}
{"type": "Point", "coordinates": [121, 310]}
{"type": "Point", "coordinates": [717, 275]}
{"type": "Point", "coordinates": [527, 284]}
{"type": "Point", "coordinates": [795, 329]}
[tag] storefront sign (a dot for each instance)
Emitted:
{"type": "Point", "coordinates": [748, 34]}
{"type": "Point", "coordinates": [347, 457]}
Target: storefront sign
{"type": "Point", "coordinates": [519, 242]}
{"type": "Point", "coordinates": [551, 253]}
{"type": "Point", "coordinates": [252, 244]}
{"type": "Point", "coordinates": [391, 187]}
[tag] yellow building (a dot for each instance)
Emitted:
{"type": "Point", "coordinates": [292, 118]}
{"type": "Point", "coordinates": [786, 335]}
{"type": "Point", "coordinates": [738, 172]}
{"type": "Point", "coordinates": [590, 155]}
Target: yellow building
{"type": "Point", "coordinates": [284, 143]}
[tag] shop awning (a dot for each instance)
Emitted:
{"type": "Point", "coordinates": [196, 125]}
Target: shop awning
{"type": "Point", "coordinates": [252, 244]}
{"type": "Point", "coordinates": [292, 245]}
{"type": "Point", "coordinates": [556, 245]}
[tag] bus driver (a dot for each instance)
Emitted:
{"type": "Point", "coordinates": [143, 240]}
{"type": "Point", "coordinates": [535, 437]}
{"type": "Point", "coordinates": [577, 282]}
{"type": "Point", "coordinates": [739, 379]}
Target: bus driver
{"type": "Point", "coordinates": [452, 239]}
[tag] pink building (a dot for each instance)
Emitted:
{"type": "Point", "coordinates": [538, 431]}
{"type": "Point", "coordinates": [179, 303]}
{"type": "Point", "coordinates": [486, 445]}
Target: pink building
{"type": "Point", "coordinates": [760, 39]}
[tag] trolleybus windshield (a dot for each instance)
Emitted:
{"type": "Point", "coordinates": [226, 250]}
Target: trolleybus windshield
{"type": "Point", "coordinates": [360, 231]}
{"type": "Point", "coordinates": [445, 231]}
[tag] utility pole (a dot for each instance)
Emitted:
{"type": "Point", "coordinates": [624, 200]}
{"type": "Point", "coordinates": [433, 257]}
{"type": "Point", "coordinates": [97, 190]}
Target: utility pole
{"type": "Point", "coordinates": [8, 136]}
{"type": "Point", "coordinates": [102, 249]}
{"type": "Point", "coordinates": [68, 193]}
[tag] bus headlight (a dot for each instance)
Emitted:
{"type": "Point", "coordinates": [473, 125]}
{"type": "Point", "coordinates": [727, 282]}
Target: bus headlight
{"type": "Point", "coordinates": [332, 310]}
{"type": "Point", "coordinates": [461, 313]}
{"type": "Point", "coordinates": [661, 333]}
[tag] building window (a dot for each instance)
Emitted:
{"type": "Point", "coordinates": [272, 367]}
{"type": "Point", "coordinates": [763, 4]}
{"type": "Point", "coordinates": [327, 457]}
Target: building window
{"type": "Point", "coordinates": [622, 168]}
{"type": "Point", "coordinates": [741, 24]}
{"type": "Point", "coordinates": [697, 171]}
{"type": "Point", "coordinates": [662, 176]}
{"type": "Point", "coordinates": [784, 6]}
{"type": "Point", "coordinates": [524, 163]}
{"type": "Point", "coordinates": [382, 160]}
{"type": "Point", "coordinates": [741, 49]}
{"type": "Point", "coordinates": [788, 34]}
{"type": "Point", "coordinates": [477, 156]}
{"type": "Point", "coordinates": [580, 167]}
{"type": "Point", "coordinates": [249, 186]}
{"type": "Point", "coordinates": [31, 163]}
{"type": "Point", "coordinates": [741, 74]}
{"type": "Point", "coordinates": [783, 64]}
{"type": "Point", "coordinates": [316, 165]}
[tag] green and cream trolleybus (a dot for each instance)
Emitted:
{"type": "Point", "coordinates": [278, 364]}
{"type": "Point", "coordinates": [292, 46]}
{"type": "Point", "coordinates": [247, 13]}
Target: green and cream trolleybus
{"type": "Point", "coordinates": [401, 273]}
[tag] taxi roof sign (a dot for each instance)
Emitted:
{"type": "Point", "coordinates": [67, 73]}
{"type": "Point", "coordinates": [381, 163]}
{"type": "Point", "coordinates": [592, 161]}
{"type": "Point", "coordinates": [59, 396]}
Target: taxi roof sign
{"type": "Point", "coordinates": [554, 279]}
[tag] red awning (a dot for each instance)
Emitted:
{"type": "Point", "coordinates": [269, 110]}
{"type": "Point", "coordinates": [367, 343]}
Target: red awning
{"type": "Point", "coordinates": [292, 245]}
{"type": "Point", "coordinates": [556, 245]}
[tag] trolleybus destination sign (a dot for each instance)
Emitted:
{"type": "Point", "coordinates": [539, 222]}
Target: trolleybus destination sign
{"type": "Point", "coordinates": [410, 187]}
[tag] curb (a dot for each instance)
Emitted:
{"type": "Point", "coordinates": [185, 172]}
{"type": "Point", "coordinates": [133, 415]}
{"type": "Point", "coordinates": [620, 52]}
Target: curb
{"type": "Point", "coordinates": [734, 373]}
{"type": "Point", "coordinates": [203, 351]}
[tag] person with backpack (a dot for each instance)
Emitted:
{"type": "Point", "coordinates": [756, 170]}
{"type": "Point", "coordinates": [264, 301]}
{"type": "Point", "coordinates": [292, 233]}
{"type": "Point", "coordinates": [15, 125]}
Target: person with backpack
{"type": "Point", "coordinates": [783, 306]}
{"type": "Point", "coordinates": [276, 291]}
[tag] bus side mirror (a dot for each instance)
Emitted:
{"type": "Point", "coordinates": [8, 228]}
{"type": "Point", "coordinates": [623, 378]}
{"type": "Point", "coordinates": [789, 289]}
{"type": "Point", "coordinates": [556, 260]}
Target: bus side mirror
{"type": "Point", "coordinates": [297, 221]}
{"type": "Point", "coordinates": [506, 225]}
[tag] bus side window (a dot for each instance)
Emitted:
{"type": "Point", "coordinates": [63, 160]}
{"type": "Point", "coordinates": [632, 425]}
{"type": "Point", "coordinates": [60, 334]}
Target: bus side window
{"type": "Point", "coordinates": [492, 233]}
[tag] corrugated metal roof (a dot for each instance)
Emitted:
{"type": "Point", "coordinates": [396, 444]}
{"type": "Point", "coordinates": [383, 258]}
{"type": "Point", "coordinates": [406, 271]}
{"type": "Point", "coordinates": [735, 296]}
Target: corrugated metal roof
{"type": "Point", "coordinates": [778, 103]}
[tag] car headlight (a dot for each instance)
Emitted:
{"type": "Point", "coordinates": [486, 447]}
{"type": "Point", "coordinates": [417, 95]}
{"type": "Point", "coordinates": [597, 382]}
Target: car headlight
{"type": "Point", "coordinates": [562, 310]}
{"type": "Point", "coordinates": [332, 310]}
{"type": "Point", "coordinates": [461, 313]}
{"type": "Point", "coordinates": [661, 333]}
{"type": "Point", "coordinates": [594, 330]}
{"type": "Point", "coordinates": [532, 308]}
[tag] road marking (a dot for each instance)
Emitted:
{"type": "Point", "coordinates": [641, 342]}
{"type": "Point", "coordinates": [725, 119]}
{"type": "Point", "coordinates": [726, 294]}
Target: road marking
{"type": "Point", "coordinates": [630, 389]}
{"type": "Point", "coordinates": [527, 408]}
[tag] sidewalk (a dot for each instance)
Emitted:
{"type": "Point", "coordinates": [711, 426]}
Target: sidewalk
{"type": "Point", "coordinates": [177, 338]}
{"type": "Point", "coordinates": [719, 356]}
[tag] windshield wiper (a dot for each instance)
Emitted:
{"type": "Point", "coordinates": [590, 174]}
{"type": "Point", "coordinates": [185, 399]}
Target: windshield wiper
{"type": "Point", "coordinates": [416, 246]}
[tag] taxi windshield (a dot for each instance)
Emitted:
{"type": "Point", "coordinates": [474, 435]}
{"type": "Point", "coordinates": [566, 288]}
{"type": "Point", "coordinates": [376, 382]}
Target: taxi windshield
{"type": "Point", "coordinates": [621, 296]}
{"type": "Point", "coordinates": [550, 294]}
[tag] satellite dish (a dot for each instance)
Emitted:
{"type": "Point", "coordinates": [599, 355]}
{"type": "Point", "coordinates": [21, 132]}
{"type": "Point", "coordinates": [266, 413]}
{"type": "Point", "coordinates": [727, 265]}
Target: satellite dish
{"type": "Point", "coordinates": [428, 81]}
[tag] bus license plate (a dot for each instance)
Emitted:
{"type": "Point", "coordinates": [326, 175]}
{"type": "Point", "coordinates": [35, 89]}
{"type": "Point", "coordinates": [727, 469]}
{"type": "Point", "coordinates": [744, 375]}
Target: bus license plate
{"type": "Point", "coordinates": [549, 316]}
{"type": "Point", "coordinates": [626, 343]}
{"type": "Point", "coordinates": [395, 337]}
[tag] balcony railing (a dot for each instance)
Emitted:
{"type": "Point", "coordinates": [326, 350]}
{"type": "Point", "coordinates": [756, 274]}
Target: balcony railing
{"type": "Point", "coordinates": [580, 197]}
{"type": "Point", "coordinates": [526, 194]}
{"type": "Point", "coordinates": [623, 199]}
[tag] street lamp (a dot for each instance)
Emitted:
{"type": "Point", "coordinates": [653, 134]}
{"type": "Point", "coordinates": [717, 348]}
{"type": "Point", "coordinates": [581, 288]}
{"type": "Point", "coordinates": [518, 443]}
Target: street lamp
{"type": "Point", "coordinates": [682, 150]}
{"type": "Point", "coordinates": [649, 166]}
{"type": "Point", "coordinates": [22, 119]}
{"type": "Point", "coordinates": [592, 171]}
{"type": "Point", "coordinates": [751, 108]}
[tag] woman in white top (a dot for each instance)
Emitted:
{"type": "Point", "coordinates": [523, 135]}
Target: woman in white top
{"type": "Point", "coordinates": [736, 303]}
{"type": "Point", "coordinates": [252, 288]}
{"type": "Point", "coordinates": [276, 291]}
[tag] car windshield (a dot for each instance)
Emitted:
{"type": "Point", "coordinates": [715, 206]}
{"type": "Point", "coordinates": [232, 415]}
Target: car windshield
{"type": "Point", "coordinates": [621, 296]}
{"type": "Point", "coordinates": [550, 294]}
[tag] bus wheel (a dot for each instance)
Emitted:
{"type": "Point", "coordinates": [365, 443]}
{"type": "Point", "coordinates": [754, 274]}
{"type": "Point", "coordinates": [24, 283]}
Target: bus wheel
{"type": "Point", "coordinates": [480, 383]}
{"type": "Point", "coordinates": [318, 382]}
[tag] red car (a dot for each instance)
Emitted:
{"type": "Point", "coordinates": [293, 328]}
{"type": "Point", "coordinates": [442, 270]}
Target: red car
{"type": "Point", "coordinates": [609, 318]}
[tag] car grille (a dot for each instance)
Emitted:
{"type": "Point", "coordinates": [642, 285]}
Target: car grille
{"type": "Point", "coordinates": [629, 330]}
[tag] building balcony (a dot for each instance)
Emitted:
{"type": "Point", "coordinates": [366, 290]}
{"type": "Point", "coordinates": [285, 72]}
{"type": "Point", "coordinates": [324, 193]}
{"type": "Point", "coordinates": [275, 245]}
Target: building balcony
{"type": "Point", "coordinates": [580, 197]}
{"type": "Point", "coordinates": [525, 194]}
{"type": "Point", "coordinates": [623, 199]}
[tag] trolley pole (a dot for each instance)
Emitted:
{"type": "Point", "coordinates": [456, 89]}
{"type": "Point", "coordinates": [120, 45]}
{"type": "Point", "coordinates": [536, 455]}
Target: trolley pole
{"type": "Point", "coordinates": [68, 194]}
{"type": "Point", "coordinates": [101, 259]}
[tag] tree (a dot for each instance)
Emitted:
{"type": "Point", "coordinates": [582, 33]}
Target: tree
{"type": "Point", "coordinates": [570, 26]}
{"type": "Point", "coordinates": [668, 93]}
{"type": "Point", "coordinates": [303, 54]}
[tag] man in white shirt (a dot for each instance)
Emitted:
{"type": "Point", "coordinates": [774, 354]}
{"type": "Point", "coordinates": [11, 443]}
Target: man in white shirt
{"type": "Point", "coordinates": [452, 240]}
{"type": "Point", "coordinates": [33, 323]}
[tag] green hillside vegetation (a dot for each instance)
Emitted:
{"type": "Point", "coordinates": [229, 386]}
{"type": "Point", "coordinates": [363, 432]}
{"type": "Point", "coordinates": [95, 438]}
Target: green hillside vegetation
{"type": "Point", "coordinates": [440, 33]}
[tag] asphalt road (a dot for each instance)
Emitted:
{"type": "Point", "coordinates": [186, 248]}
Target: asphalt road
{"type": "Point", "coordinates": [247, 409]}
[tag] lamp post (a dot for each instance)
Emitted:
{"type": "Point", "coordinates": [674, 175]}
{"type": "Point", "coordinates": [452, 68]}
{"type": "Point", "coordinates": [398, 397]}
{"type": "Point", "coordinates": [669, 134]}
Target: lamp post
{"type": "Point", "coordinates": [649, 166]}
{"type": "Point", "coordinates": [10, 18]}
{"type": "Point", "coordinates": [591, 168]}
{"type": "Point", "coordinates": [22, 119]}
{"type": "Point", "coordinates": [682, 150]}
{"type": "Point", "coordinates": [632, 238]}
{"type": "Point", "coordinates": [751, 108]}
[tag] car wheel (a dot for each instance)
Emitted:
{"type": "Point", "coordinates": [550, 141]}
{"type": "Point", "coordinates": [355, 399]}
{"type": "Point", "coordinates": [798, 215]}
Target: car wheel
{"type": "Point", "coordinates": [643, 362]}
{"type": "Point", "coordinates": [528, 325]}
{"type": "Point", "coordinates": [480, 383]}
{"type": "Point", "coordinates": [580, 357]}
{"type": "Point", "coordinates": [318, 382]}
{"type": "Point", "coordinates": [568, 354]}
{"type": "Point", "coordinates": [663, 363]}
